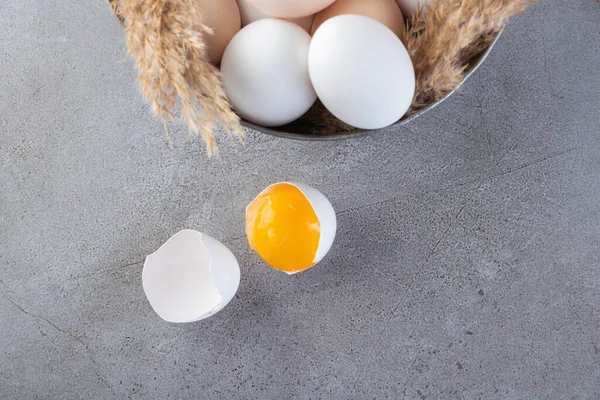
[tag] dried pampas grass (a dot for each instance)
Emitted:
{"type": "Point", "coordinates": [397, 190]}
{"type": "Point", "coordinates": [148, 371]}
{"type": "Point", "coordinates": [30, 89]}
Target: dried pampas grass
{"type": "Point", "coordinates": [444, 37]}
{"type": "Point", "coordinates": [166, 40]}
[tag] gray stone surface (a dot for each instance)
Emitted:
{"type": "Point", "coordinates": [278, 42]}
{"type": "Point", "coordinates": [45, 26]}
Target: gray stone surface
{"type": "Point", "coordinates": [466, 265]}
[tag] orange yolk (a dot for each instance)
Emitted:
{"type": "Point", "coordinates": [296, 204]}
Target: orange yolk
{"type": "Point", "coordinates": [283, 228]}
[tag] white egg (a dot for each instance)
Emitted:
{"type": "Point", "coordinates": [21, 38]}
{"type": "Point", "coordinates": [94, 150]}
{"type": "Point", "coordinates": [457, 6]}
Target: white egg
{"type": "Point", "coordinates": [250, 14]}
{"type": "Point", "coordinates": [365, 85]}
{"type": "Point", "coordinates": [190, 277]}
{"type": "Point", "coordinates": [265, 72]}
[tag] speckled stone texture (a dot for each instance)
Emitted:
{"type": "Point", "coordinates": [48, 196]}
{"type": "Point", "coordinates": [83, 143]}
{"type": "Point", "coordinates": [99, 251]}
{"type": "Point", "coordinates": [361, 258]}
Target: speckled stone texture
{"type": "Point", "coordinates": [467, 263]}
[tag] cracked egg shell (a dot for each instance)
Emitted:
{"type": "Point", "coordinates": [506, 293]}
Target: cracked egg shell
{"type": "Point", "coordinates": [190, 277]}
{"type": "Point", "coordinates": [291, 226]}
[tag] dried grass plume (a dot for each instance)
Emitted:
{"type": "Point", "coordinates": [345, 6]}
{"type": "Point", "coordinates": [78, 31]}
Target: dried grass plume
{"type": "Point", "coordinates": [166, 40]}
{"type": "Point", "coordinates": [445, 35]}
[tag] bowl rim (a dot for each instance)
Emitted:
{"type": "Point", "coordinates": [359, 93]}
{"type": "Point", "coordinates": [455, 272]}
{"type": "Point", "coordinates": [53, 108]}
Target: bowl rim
{"type": "Point", "coordinates": [356, 133]}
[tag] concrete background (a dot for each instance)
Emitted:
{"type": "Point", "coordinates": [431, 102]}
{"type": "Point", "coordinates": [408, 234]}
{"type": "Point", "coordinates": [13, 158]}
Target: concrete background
{"type": "Point", "coordinates": [466, 264]}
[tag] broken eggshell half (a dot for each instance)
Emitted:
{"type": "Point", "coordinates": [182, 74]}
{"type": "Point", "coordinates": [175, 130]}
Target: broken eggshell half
{"type": "Point", "coordinates": [190, 277]}
{"type": "Point", "coordinates": [268, 223]}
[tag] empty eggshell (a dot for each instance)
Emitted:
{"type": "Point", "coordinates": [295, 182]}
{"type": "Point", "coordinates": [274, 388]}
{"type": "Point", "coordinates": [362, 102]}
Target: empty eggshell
{"type": "Point", "coordinates": [223, 17]}
{"type": "Point", "coordinates": [250, 14]}
{"type": "Point", "coordinates": [265, 72]}
{"type": "Point", "coordinates": [385, 11]}
{"type": "Point", "coordinates": [190, 277]}
{"type": "Point", "coordinates": [366, 86]}
{"type": "Point", "coordinates": [290, 8]}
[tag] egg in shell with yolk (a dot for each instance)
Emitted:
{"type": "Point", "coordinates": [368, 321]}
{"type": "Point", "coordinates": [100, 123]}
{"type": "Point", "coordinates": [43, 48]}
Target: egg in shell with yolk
{"type": "Point", "coordinates": [291, 226]}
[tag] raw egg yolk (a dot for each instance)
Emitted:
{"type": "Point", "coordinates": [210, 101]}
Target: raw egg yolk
{"type": "Point", "coordinates": [283, 228]}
